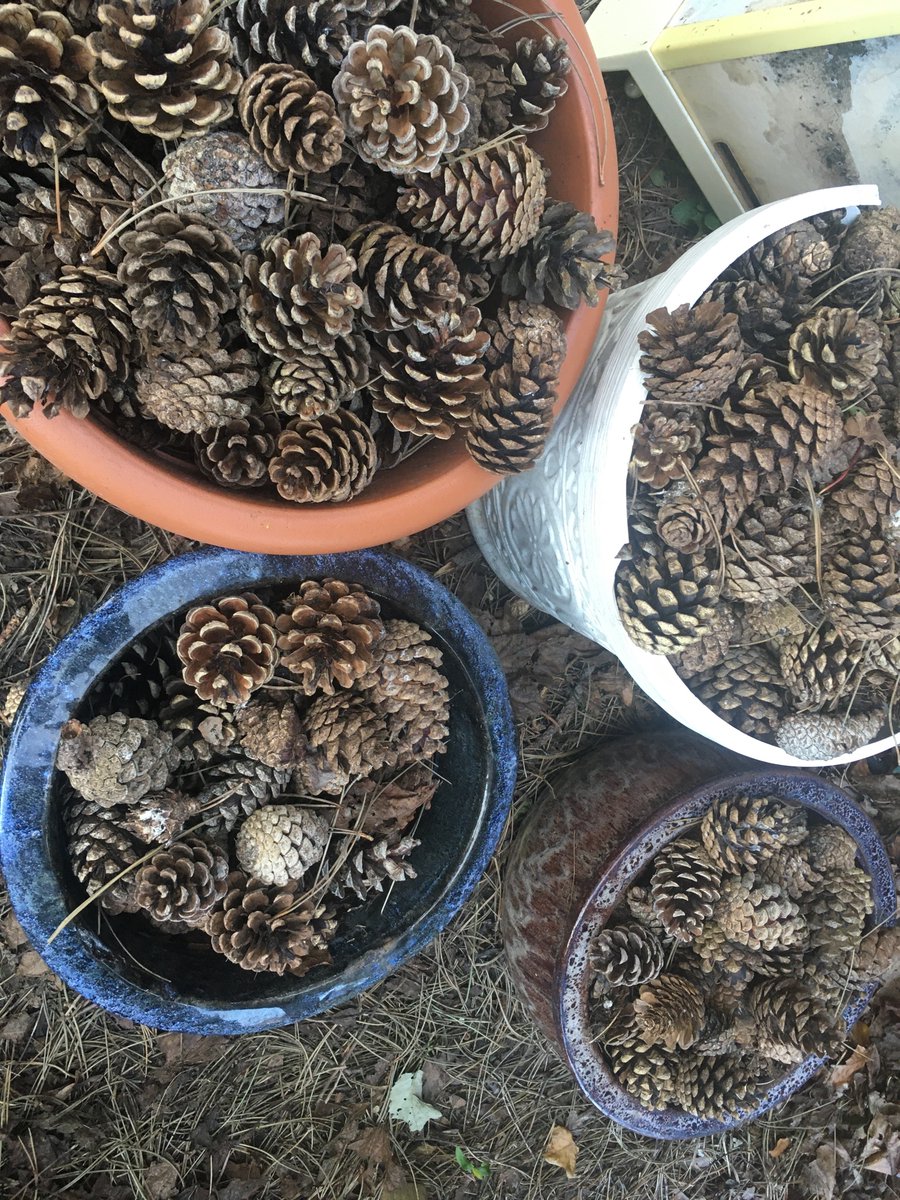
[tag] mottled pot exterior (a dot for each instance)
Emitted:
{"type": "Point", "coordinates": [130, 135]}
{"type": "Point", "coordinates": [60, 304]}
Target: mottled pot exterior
{"type": "Point", "coordinates": [160, 983]}
{"type": "Point", "coordinates": [580, 848]}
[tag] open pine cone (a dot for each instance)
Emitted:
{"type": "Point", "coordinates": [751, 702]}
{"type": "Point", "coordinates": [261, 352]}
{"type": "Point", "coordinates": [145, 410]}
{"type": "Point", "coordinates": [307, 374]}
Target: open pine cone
{"type": "Point", "coordinates": [789, 1021]}
{"type": "Point", "coordinates": [330, 459]}
{"type": "Point", "coordinates": [837, 349]}
{"type": "Point", "coordinates": [562, 262]}
{"type": "Point", "coordinates": [538, 75]}
{"type": "Point", "coordinates": [666, 599]}
{"type": "Point", "coordinates": [318, 381]}
{"type": "Point", "coordinates": [327, 634]}
{"type": "Point", "coordinates": [404, 283]}
{"type": "Point", "coordinates": [740, 831]}
{"type": "Point", "coordinates": [626, 956]}
{"type": "Point", "coordinates": [692, 354]}
{"type": "Point", "coordinates": [116, 759]}
{"type": "Point", "coordinates": [237, 454]}
{"type": "Point", "coordinates": [289, 121]}
{"type": "Point", "coordinates": [100, 849]}
{"type": "Point", "coordinates": [183, 881]}
{"type": "Point", "coordinates": [312, 36]}
{"type": "Point", "coordinates": [670, 1011]}
{"type": "Point", "coordinates": [685, 885]}
{"type": "Point", "coordinates": [228, 648]}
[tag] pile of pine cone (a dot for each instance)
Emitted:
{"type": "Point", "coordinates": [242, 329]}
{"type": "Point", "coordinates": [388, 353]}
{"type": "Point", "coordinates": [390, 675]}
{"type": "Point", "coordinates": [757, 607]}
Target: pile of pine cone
{"type": "Point", "coordinates": [733, 956]}
{"type": "Point", "coordinates": [257, 771]}
{"type": "Point", "coordinates": [289, 244]}
{"type": "Point", "coordinates": [765, 502]}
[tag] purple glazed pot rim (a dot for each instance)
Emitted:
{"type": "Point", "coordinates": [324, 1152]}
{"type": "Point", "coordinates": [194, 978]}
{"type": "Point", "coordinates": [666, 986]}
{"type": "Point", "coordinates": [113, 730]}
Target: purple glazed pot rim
{"type": "Point", "coordinates": [586, 1063]}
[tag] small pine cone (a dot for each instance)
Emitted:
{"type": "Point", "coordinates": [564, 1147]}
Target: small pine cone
{"type": "Point", "coordinates": [666, 600]}
{"type": "Point", "coordinates": [291, 123]}
{"type": "Point", "coordinates": [488, 203]}
{"type": "Point", "coordinates": [791, 869]}
{"type": "Point", "coordinates": [348, 737]}
{"type": "Point", "coordinates": [836, 349]}
{"type": "Point", "coordinates": [872, 241]}
{"type": "Point", "coordinates": [739, 832]}
{"type": "Point", "coordinates": [331, 459]}
{"type": "Point", "coordinates": [161, 816]}
{"type": "Point", "coordinates": [837, 911]}
{"type": "Point", "coordinates": [183, 881]}
{"type": "Point", "coordinates": [418, 716]}
{"type": "Point", "coordinates": [404, 283]}
{"type": "Point", "coordinates": [385, 807]}
{"type": "Point", "coordinates": [239, 191]}
{"type": "Point", "coordinates": [819, 666]}
{"type": "Point", "coordinates": [830, 849]}
{"type": "Point", "coordinates": [626, 956]}
{"type": "Point", "coordinates": [369, 868]}
{"type": "Point", "coordinates": [666, 441]}
{"type": "Point", "coordinates": [430, 379]}
{"type": "Point", "coordinates": [538, 75]}
{"type": "Point", "coordinates": [164, 68]}
{"type": "Point", "coordinates": [227, 648]}
{"type": "Point", "coordinates": [646, 1072]}
{"type": "Point", "coordinates": [690, 523]}
{"type": "Point", "coordinates": [397, 661]}
{"type": "Point", "coordinates": [69, 346]}
{"type": "Point", "coordinates": [746, 690]}
{"type": "Point", "coordinates": [199, 389]}
{"type": "Point", "coordinates": [861, 588]}
{"type": "Point", "coordinates": [279, 843]}
{"type": "Point", "coordinates": [871, 495]}
{"type": "Point", "coordinates": [316, 381]}
{"type": "Point", "coordinates": [758, 916]}
{"type": "Point", "coordinates": [237, 786]}
{"type": "Point", "coordinates": [99, 849]}
{"type": "Point", "coordinates": [237, 454]}
{"type": "Point", "coordinates": [271, 733]}
{"type": "Point", "coordinates": [713, 647]}
{"type": "Point", "coordinates": [265, 928]}
{"type": "Point", "coordinates": [639, 904]}
{"type": "Point", "coordinates": [485, 61]}
{"type": "Point", "coordinates": [116, 759]}
{"type": "Point", "coordinates": [819, 736]}
{"type": "Point", "coordinates": [311, 36]}
{"type": "Point", "coordinates": [759, 308]}
{"type": "Point", "coordinates": [713, 1087]}
{"type": "Point", "coordinates": [298, 295]}
{"type": "Point", "coordinates": [684, 887]}
{"type": "Point", "coordinates": [670, 1011]}
{"type": "Point", "coordinates": [327, 634]}
{"type": "Point", "coordinates": [563, 262]}
{"type": "Point", "coordinates": [772, 551]}
{"type": "Point", "coordinates": [754, 372]}
{"type": "Point", "coordinates": [524, 333]}
{"type": "Point", "coordinates": [693, 354]}
{"type": "Point", "coordinates": [791, 1022]}
{"type": "Point", "coordinates": [180, 274]}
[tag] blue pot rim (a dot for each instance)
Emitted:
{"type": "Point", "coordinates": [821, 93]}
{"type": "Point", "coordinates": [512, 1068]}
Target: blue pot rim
{"type": "Point", "coordinates": [68, 674]}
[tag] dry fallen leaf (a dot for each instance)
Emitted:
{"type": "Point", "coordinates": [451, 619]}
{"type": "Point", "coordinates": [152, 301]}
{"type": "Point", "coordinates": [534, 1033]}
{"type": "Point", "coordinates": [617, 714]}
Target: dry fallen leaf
{"type": "Point", "coordinates": [161, 1180]}
{"type": "Point", "coordinates": [31, 965]}
{"type": "Point", "coordinates": [844, 1072]}
{"type": "Point", "coordinates": [882, 1149]}
{"type": "Point", "coordinates": [820, 1175]}
{"type": "Point", "coordinates": [405, 1102]}
{"type": "Point", "coordinates": [779, 1148]}
{"type": "Point", "coordinates": [561, 1150]}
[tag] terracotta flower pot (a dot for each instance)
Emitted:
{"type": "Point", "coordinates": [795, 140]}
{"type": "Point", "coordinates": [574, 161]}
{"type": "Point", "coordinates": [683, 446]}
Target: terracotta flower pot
{"type": "Point", "coordinates": [579, 150]}
{"type": "Point", "coordinates": [578, 851]}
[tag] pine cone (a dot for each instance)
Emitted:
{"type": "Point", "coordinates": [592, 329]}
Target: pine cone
{"type": "Point", "coordinates": [693, 354]}
{"type": "Point", "coordinates": [136, 682]}
{"type": "Point", "coordinates": [317, 382]}
{"type": "Point", "coordinates": [404, 283]}
{"type": "Point", "coordinates": [878, 957]}
{"type": "Point", "coordinates": [790, 868]}
{"type": "Point", "coordinates": [69, 346]}
{"type": "Point", "coordinates": [417, 715]}
{"type": "Point", "coordinates": [180, 274]}
{"type": "Point", "coordinates": [816, 735]}
{"type": "Point", "coordinates": [201, 728]}
{"type": "Point", "coordinates": [713, 647]}
{"type": "Point", "coordinates": [627, 956]}
{"type": "Point", "coordinates": [271, 733]}
{"type": "Point", "coordinates": [327, 634]}
{"type": "Point", "coordinates": [348, 737]}
{"type": "Point", "coordinates": [430, 379]}
{"type": "Point", "coordinates": [183, 881]}
{"type": "Point", "coordinates": [351, 194]}
{"type": "Point", "coordinates": [563, 262]}
{"type": "Point", "coordinates": [99, 849]}
{"type": "Point", "coordinates": [861, 588]}
{"type": "Point", "coordinates": [759, 308]}
{"type": "Point", "coordinates": [837, 911]}
{"type": "Point", "coordinates": [161, 816]}
{"type": "Point", "coordinates": [298, 296]}
{"type": "Point", "coordinates": [291, 123]}
{"type": "Point", "coordinates": [638, 903]}
{"type": "Point", "coordinates": [398, 662]}
{"type": "Point", "coordinates": [684, 886]}
{"type": "Point", "coordinates": [385, 807]}
{"type": "Point", "coordinates": [666, 600]}
{"type": "Point", "coordinates": [279, 843]}
{"type": "Point", "coordinates": [645, 1072]}
{"type": "Point", "coordinates": [746, 690]}
{"type": "Point", "coordinates": [871, 242]}
{"type": "Point", "coordinates": [670, 1011]}
{"type": "Point", "coordinates": [81, 13]}
{"type": "Point", "coordinates": [265, 929]}
{"type": "Point", "coordinates": [331, 459]}
{"type": "Point", "coordinates": [772, 621]}
{"type": "Point", "coordinates": [538, 74]}
{"type": "Point", "coordinates": [870, 497]}
{"type": "Point", "coordinates": [228, 648]}
{"type": "Point", "coordinates": [739, 832]}
{"type": "Point", "coordinates": [791, 1022]}
{"type": "Point", "coordinates": [830, 849]}
{"type": "Point", "coordinates": [239, 191]}
{"type": "Point", "coordinates": [755, 915]}
{"type": "Point", "coordinates": [116, 759]}
{"type": "Point", "coordinates": [370, 867]}
{"type": "Point", "coordinates": [485, 61]}
{"type": "Point", "coordinates": [772, 551]}
{"type": "Point", "coordinates": [666, 441]}
{"type": "Point", "coordinates": [195, 390]}
{"type": "Point", "coordinates": [237, 453]}
{"type": "Point", "coordinates": [312, 36]}
{"type": "Point", "coordinates": [836, 349]}
{"type": "Point", "coordinates": [715, 1086]}
{"type": "Point", "coordinates": [790, 260]}
{"type": "Point", "coordinates": [237, 786]}
{"type": "Point", "coordinates": [46, 101]}
{"type": "Point", "coordinates": [489, 203]}
{"type": "Point", "coordinates": [819, 666]}
{"type": "Point", "coordinates": [690, 523]}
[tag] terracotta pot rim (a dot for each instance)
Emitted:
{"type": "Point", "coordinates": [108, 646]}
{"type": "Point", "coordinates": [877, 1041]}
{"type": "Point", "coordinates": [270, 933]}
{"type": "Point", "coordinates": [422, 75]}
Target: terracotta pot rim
{"type": "Point", "coordinates": [586, 1063]}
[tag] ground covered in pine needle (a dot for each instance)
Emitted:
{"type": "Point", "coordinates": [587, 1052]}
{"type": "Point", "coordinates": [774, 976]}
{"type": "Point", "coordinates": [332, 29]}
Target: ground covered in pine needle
{"type": "Point", "coordinates": [95, 1107]}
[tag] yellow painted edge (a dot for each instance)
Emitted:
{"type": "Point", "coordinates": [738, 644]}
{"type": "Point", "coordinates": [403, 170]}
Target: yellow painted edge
{"type": "Point", "coordinates": [774, 30]}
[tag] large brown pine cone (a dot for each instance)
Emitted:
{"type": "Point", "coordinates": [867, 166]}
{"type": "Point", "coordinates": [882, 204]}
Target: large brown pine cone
{"type": "Point", "coordinates": [312, 35]}
{"type": "Point", "coordinates": [759, 308]}
{"type": "Point", "coordinates": [562, 262]}
{"type": "Point", "coordinates": [836, 349]}
{"type": "Point", "coordinates": [670, 1011]}
{"type": "Point", "coordinates": [746, 690]}
{"type": "Point", "coordinates": [666, 441]}
{"type": "Point", "coordinates": [626, 956]}
{"type": "Point", "coordinates": [99, 849]}
{"type": "Point", "coordinates": [837, 911]}
{"type": "Point", "coordinates": [715, 1086]}
{"type": "Point", "coordinates": [739, 832]}
{"type": "Point", "coordinates": [418, 715]}
{"type": "Point", "coordinates": [265, 928]}
{"type": "Point", "coordinates": [271, 732]}
{"type": "Point", "coordinates": [819, 666]}
{"type": "Point", "coordinates": [228, 648]}
{"type": "Point", "coordinates": [488, 203]}
{"type": "Point", "coordinates": [373, 865]}
{"type": "Point", "coordinates": [348, 738]}
{"type": "Point", "coordinates": [46, 101]}
{"type": "Point", "coordinates": [483, 59]}
{"type": "Point", "coordinates": [236, 786]}
{"type": "Point", "coordinates": [237, 453]}
{"type": "Point", "coordinates": [692, 354]}
{"type": "Point", "coordinates": [182, 881]}
{"type": "Point", "coordinates": [861, 588]}
{"type": "Point", "coordinates": [281, 842]}
{"type": "Point", "coordinates": [666, 599]}
{"type": "Point", "coordinates": [164, 68]}
{"type": "Point", "coordinates": [289, 121]}
{"type": "Point", "coordinates": [331, 459]}
{"type": "Point", "coordinates": [398, 660]}
{"type": "Point", "coordinates": [328, 633]}
{"type": "Point", "coordinates": [299, 295]}
{"type": "Point", "coordinates": [870, 496]}
{"type": "Point", "coordinates": [818, 735]}
{"type": "Point", "coordinates": [538, 74]}
{"type": "Point", "coordinates": [772, 550]}
{"type": "Point", "coordinates": [116, 759]}
{"type": "Point", "coordinates": [404, 283]}
{"type": "Point", "coordinates": [789, 1021]}
{"type": "Point", "coordinates": [684, 886]}
{"type": "Point", "coordinates": [317, 381]}
{"type": "Point", "coordinates": [70, 346]}
{"type": "Point", "coordinates": [193, 390]}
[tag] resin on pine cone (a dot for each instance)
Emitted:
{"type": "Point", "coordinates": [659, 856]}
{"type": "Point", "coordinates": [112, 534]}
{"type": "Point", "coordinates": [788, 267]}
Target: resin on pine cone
{"type": "Point", "coordinates": [692, 354]}
{"type": "Point", "coordinates": [228, 648]}
{"type": "Point", "coordinates": [197, 389]}
{"type": "Point", "coordinates": [182, 881]}
{"type": "Point", "coordinates": [292, 124]}
{"type": "Point", "coordinates": [333, 458]}
{"type": "Point", "coordinates": [327, 634]}
{"type": "Point", "coordinates": [279, 843]}
{"type": "Point", "coordinates": [563, 262]}
{"type": "Point", "coordinates": [626, 956]}
{"type": "Point", "coordinates": [684, 887]}
{"type": "Point", "coordinates": [116, 759]}
{"type": "Point", "coordinates": [404, 283]}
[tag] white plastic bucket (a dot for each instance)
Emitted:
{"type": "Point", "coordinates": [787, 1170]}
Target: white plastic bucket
{"type": "Point", "coordinates": [553, 533]}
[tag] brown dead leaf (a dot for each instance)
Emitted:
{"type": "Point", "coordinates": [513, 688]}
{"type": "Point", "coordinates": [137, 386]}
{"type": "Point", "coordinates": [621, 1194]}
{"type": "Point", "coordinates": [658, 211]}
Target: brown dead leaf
{"type": "Point", "coordinates": [844, 1072]}
{"type": "Point", "coordinates": [867, 428]}
{"type": "Point", "coordinates": [374, 1147]}
{"type": "Point", "coordinates": [779, 1148]}
{"type": "Point", "coordinates": [406, 1191]}
{"type": "Point", "coordinates": [12, 932]}
{"type": "Point", "coordinates": [31, 965]}
{"type": "Point", "coordinates": [161, 1180]}
{"type": "Point", "coordinates": [189, 1049]}
{"type": "Point", "coordinates": [882, 1148]}
{"type": "Point", "coordinates": [820, 1175]}
{"type": "Point", "coordinates": [561, 1150]}
{"type": "Point", "coordinates": [17, 1028]}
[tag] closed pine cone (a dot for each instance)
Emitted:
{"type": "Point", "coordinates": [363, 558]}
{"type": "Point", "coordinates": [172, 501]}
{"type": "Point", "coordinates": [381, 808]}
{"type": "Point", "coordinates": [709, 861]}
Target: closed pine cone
{"type": "Point", "coordinates": [525, 333]}
{"type": "Point", "coordinates": [746, 690]}
{"type": "Point", "coordinates": [430, 379]}
{"type": "Point", "coordinates": [772, 621]}
{"type": "Point", "coordinates": [692, 354]}
{"type": "Point", "coordinates": [646, 1072]}
{"type": "Point", "coordinates": [402, 98]}
{"type": "Point", "coordinates": [861, 588]}
{"type": "Point", "coordinates": [182, 881]}
{"type": "Point", "coordinates": [836, 349]}
{"type": "Point", "coordinates": [271, 733]}
{"type": "Point", "coordinates": [372, 866]}
{"type": "Point", "coordinates": [180, 274]}
{"type": "Point", "coordinates": [837, 911]}
{"type": "Point", "coordinates": [46, 101]}
{"type": "Point", "coordinates": [666, 441]}
{"type": "Point", "coordinates": [771, 551]}
{"type": "Point", "coordinates": [489, 203]}
{"type": "Point", "coordinates": [116, 759]}
{"type": "Point", "coordinates": [195, 390]}
{"type": "Point", "coordinates": [670, 1011]}
{"type": "Point", "coordinates": [317, 381]}
{"type": "Point", "coordinates": [289, 121]}
{"type": "Point", "coordinates": [70, 345]}
{"type": "Point", "coordinates": [538, 74]}
{"type": "Point", "coordinates": [404, 283]}
{"type": "Point", "coordinates": [512, 420]}
{"type": "Point", "coordinates": [872, 241]}
{"type": "Point", "coordinates": [666, 599]}
{"type": "Point", "coordinates": [738, 832]}
{"type": "Point", "coordinates": [397, 661]}
{"type": "Point", "coordinates": [715, 1086]}
{"type": "Point", "coordinates": [790, 1022]}
{"type": "Point", "coordinates": [227, 648]}
{"type": "Point", "coordinates": [99, 849]}
{"type": "Point", "coordinates": [237, 453]}
{"type": "Point", "coordinates": [236, 786]}
{"type": "Point", "coordinates": [639, 905]}
{"type": "Point", "coordinates": [791, 869]}
{"type": "Point", "coordinates": [830, 849]}
{"type": "Point", "coordinates": [281, 842]}
{"type": "Point", "coordinates": [713, 647]}
{"type": "Point", "coordinates": [418, 715]}
{"type": "Point", "coordinates": [870, 496]}
{"type": "Point", "coordinates": [333, 458]}
{"type": "Point", "coordinates": [878, 956]}
{"type": "Point", "coordinates": [164, 68]}
{"type": "Point", "coordinates": [626, 956]}
{"type": "Point", "coordinates": [691, 523]}
{"type": "Point", "coordinates": [563, 262]}
{"type": "Point", "coordinates": [327, 634]}
{"type": "Point", "coordinates": [790, 260]}
{"type": "Point", "coordinates": [820, 736]}
{"type": "Point", "coordinates": [820, 666]}
{"type": "Point", "coordinates": [311, 35]}
{"type": "Point", "coordinates": [201, 728]}
{"type": "Point", "coordinates": [684, 886]}
{"type": "Point", "coordinates": [265, 929]}
{"type": "Point", "coordinates": [348, 737]}
{"type": "Point", "coordinates": [756, 915]}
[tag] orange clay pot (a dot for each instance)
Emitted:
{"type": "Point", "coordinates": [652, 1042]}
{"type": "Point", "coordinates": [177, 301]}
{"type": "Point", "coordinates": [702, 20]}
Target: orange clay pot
{"type": "Point", "coordinates": [579, 150]}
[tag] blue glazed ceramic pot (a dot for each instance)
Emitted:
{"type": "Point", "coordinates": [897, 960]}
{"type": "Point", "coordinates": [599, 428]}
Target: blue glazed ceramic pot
{"type": "Point", "coordinates": [160, 980]}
